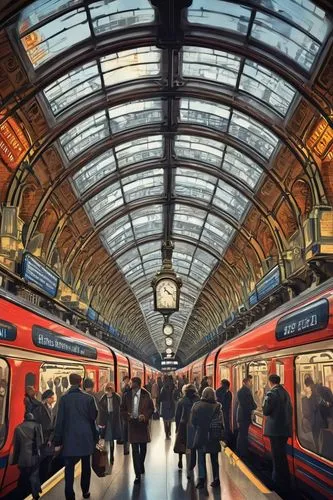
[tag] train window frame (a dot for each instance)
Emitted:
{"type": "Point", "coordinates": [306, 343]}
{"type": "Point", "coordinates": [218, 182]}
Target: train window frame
{"type": "Point", "coordinates": [257, 417]}
{"type": "Point", "coordinates": [303, 425]}
{"type": "Point", "coordinates": [72, 368]}
{"type": "Point", "coordinates": [102, 370]}
{"type": "Point", "coordinates": [4, 415]}
{"type": "Point", "coordinates": [224, 368]}
{"type": "Point", "coordinates": [121, 374]}
{"type": "Point", "coordinates": [280, 371]}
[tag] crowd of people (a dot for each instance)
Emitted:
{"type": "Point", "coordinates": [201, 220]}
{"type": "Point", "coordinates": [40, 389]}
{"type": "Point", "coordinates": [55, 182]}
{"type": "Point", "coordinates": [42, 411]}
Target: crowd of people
{"type": "Point", "coordinates": [82, 419]}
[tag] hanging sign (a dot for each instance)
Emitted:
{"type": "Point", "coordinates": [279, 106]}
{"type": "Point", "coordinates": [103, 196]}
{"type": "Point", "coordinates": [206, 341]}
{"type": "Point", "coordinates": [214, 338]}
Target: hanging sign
{"type": "Point", "coordinates": [33, 271]}
{"type": "Point", "coordinates": [268, 283]}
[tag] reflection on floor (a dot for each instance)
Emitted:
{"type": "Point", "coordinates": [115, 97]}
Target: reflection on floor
{"type": "Point", "coordinates": [163, 480]}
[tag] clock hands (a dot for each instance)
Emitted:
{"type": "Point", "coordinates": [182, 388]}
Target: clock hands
{"type": "Point", "coordinates": [167, 291]}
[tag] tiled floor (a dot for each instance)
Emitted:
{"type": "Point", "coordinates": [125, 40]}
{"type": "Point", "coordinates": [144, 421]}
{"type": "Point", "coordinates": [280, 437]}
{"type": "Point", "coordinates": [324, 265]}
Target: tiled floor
{"type": "Point", "coordinates": [163, 480]}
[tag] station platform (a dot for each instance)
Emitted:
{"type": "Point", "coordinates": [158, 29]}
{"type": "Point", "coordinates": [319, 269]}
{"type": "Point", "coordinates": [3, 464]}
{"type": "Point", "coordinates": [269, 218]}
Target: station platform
{"type": "Point", "coordinates": [163, 480]}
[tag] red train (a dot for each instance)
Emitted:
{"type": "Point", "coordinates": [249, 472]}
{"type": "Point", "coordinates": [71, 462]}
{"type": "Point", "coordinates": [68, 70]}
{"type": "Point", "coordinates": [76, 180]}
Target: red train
{"type": "Point", "coordinates": [37, 349]}
{"type": "Point", "coordinates": [295, 341]}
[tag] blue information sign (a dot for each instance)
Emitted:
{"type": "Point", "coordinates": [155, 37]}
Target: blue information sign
{"type": "Point", "coordinates": [253, 298]}
{"type": "Point", "coordinates": [37, 273]}
{"type": "Point", "coordinates": [268, 283]}
{"type": "Point", "coordinates": [7, 331]}
{"type": "Point", "coordinates": [92, 314]}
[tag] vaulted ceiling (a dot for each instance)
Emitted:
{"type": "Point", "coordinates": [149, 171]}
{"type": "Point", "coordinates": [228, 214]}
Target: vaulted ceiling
{"type": "Point", "coordinates": [147, 120]}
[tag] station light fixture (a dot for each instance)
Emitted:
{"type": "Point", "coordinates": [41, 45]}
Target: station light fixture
{"type": "Point", "coordinates": [168, 329]}
{"type": "Point", "coordinates": [168, 341]}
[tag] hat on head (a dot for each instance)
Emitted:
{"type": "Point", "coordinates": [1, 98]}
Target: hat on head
{"type": "Point", "coordinates": [47, 394]}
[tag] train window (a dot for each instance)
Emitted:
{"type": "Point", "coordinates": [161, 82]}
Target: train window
{"type": "Point", "coordinates": [314, 402]}
{"type": "Point", "coordinates": [55, 376]}
{"type": "Point", "coordinates": [224, 372]}
{"type": "Point", "coordinates": [105, 375]}
{"type": "Point", "coordinates": [4, 377]}
{"type": "Point", "coordinates": [258, 370]}
{"type": "Point", "coordinates": [122, 372]}
{"type": "Point", "coordinates": [279, 368]}
{"type": "Point", "coordinates": [239, 375]}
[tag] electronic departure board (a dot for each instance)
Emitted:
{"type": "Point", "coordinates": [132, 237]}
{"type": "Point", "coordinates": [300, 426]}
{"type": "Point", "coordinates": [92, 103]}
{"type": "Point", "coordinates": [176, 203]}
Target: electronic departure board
{"type": "Point", "coordinates": [308, 319]}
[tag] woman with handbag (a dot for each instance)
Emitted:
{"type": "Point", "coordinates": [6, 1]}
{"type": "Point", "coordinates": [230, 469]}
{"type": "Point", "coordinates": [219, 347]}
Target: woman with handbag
{"type": "Point", "coordinates": [207, 419]}
{"type": "Point", "coordinates": [184, 432]}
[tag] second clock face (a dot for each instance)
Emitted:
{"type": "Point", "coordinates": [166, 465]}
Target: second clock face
{"type": "Point", "coordinates": [168, 329]}
{"type": "Point", "coordinates": [168, 341]}
{"type": "Point", "coordinates": [166, 294]}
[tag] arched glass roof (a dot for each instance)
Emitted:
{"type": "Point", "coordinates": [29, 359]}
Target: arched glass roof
{"type": "Point", "coordinates": [165, 140]}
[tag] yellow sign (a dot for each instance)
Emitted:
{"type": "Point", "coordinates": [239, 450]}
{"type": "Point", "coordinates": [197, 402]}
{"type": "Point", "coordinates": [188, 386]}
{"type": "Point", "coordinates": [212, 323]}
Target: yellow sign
{"type": "Point", "coordinates": [326, 224]}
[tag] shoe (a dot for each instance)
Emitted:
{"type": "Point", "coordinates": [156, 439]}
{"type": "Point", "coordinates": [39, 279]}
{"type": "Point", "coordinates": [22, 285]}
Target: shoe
{"type": "Point", "coordinates": [215, 483]}
{"type": "Point", "coordinates": [137, 480]}
{"type": "Point", "coordinates": [200, 484]}
{"type": "Point", "coordinates": [180, 464]}
{"type": "Point", "coordinates": [86, 495]}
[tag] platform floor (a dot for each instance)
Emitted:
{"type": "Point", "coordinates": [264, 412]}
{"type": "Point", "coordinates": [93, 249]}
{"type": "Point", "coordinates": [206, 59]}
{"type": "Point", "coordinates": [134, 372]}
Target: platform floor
{"type": "Point", "coordinates": [163, 480]}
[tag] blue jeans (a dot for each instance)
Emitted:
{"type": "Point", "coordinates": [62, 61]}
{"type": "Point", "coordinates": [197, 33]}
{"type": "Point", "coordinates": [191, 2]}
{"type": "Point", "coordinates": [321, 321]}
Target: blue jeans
{"type": "Point", "coordinates": [214, 458]}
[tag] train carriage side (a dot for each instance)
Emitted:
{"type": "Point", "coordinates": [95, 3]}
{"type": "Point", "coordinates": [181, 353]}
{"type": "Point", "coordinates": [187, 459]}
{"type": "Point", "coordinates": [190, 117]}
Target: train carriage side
{"type": "Point", "coordinates": [296, 344]}
{"type": "Point", "coordinates": [40, 352]}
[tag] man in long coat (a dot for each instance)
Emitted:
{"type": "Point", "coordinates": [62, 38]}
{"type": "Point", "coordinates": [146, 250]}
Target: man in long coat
{"type": "Point", "coordinates": [137, 408]}
{"type": "Point", "coordinates": [75, 433]}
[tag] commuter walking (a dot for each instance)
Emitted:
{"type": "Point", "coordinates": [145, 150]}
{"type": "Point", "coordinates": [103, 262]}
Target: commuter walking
{"type": "Point", "coordinates": [168, 406]}
{"type": "Point", "coordinates": [28, 440]}
{"type": "Point", "coordinates": [184, 429]}
{"type": "Point", "coordinates": [224, 397]}
{"type": "Point", "coordinates": [155, 392]}
{"type": "Point", "coordinates": [137, 408]}
{"type": "Point", "coordinates": [109, 419]}
{"type": "Point", "coordinates": [206, 418]}
{"type": "Point", "coordinates": [76, 434]}
{"type": "Point", "coordinates": [45, 416]}
{"type": "Point", "coordinates": [89, 386]}
{"type": "Point", "coordinates": [125, 387]}
{"type": "Point", "coordinates": [246, 405]}
{"type": "Point", "coordinates": [277, 409]}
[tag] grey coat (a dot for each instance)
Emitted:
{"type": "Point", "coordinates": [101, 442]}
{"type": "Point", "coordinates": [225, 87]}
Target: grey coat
{"type": "Point", "coordinates": [75, 427]}
{"type": "Point", "coordinates": [201, 417]}
{"type": "Point", "coordinates": [28, 439]}
{"type": "Point", "coordinates": [278, 411]}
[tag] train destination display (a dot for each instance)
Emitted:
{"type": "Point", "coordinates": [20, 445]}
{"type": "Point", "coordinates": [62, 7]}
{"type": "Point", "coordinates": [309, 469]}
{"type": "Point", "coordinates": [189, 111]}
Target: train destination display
{"type": "Point", "coordinates": [42, 337]}
{"type": "Point", "coordinates": [308, 319]}
{"type": "Point", "coordinates": [35, 272]}
{"type": "Point", "coordinates": [7, 331]}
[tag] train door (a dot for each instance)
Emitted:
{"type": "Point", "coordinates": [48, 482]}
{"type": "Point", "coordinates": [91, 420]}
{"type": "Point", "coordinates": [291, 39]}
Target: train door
{"type": "Point", "coordinates": [4, 420]}
{"type": "Point", "coordinates": [258, 369]}
{"type": "Point", "coordinates": [238, 374]}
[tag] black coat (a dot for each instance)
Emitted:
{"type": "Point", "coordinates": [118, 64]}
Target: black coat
{"type": "Point", "coordinates": [278, 411]}
{"type": "Point", "coordinates": [184, 428]}
{"type": "Point", "coordinates": [75, 426]}
{"type": "Point", "coordinates": [224, 397]}
{"type": "Point", "coordinates": [201, 417]}
{"type": "Point", "coordinates": [28, 440]}
{"type": "Point", "coordinates": [167, 400]}
{"type": "Point", "coordinates": [246, 405]}
{"type": "Point", "coordinates": [103, 416]}
{"type": "Point", "coordinates": [46, 418]}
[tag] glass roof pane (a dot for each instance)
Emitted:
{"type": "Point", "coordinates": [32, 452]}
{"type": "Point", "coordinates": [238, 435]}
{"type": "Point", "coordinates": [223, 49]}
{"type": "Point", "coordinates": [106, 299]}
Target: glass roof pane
{"type": "Point", "coordinates": [205, 113]}
{"type": "Point", "coordinates": [55, 36]}
{"type": "Point", "coordinates": [85, 134]}
{"type": "Point", "coordinates": [151, 247]}
{"type": "Point", "coordinates": [95, 170]}
{"type": "Point", "coordinates": [105, 201]}
{"type": "Point", "coordinates": [118, 234]}
{"type": "Point", "coordinates": [199, 149]}
{"type": "Point", "coordinates": [220, 14]}
{"type": "Point", "coordinates": [210, 64]}
{"type": "Point", "coordinates": [72, 87]}
{"type": "Point", "coordinates": [230, 200]}
{"type": "Point", "coordinates": [41, 10]}
{"type": "Point", "coordinates": [117, 14]}
{"type": "Point", "coordinates": [150, 183]}
{"type": "Point", "coordinates": [131, 64]}
{"type": "Point", "coordinates": [135, 114]}
{"type": "Point", "coordinates": [194, 183]}
{"type": "Point", "coordinates": [267, 86]}
{"type": "Point", "coordinates": [131, 255]}
{"type": "Point", "coordinates": [286, 39]}
{"type": "Point", "coordinates": [187, 226]}
{"type": "Point", "coordinates": [190, 211]}
{"type": "Point", "coordinates": [148, 225]}
{"type": "Point", "coordinates": [138, 150]}
{"type": "Point", "coordinates": [241, 167]}
{"type": "Point", "coordinates": [253, 133]}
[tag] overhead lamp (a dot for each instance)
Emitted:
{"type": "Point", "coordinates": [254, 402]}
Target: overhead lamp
{"type": "Point", "coordinates": [168, 329]}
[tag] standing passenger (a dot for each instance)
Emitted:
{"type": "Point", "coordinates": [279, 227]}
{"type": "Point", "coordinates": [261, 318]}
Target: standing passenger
{"type": "Point", "coordinates": [246, 405]}
{"type": "Point", "coordinates": [109, 419]}
{"type": "Point", "coordinates": [167, 404]}
{"type": "Point", "coordinates": [223, 396]}
{"type": "Point", "coordinates": [75, 433]}
{"type": "Point", "coordinates": [278, 427]}
{"type": "Point", "coordinates": [125, 387]}
{"type": "Point", "coordinates": [30, 400]}
{"type": "Point", "coordinates": [203, 385]}
{"type": "Point", "coordinates": [137, 408]}
{"type": "Point", "coordinates": [89, 386]}
{"type": "Point", "coordinates": [184, 429]}
{"type": "Point", "coordinates": [28, 440]}
{"type": "Point", "coordinates": [45, 416]}
{"type": "Point", "coordinates": [203, 414]}
{"type": "Point", "coordinates": [155, 392]}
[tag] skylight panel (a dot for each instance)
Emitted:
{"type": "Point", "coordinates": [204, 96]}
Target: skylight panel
{"type": "Point", "coordinates": [204, 113]}
{"type": "Point", "coordinates": [105, 202]}
{"type": "Point", "coordinates": [199, 149]}
{"type": "Point", "coordinates": [220, 14]}
{"type": "Point", "coordinates": [139, 150]}
{"type": "Point", "coordinates": [135, 114]}
{"type": "Point", "coordinates": [94, 171]}
{"type": "Point", "coordinates": [241, 167]}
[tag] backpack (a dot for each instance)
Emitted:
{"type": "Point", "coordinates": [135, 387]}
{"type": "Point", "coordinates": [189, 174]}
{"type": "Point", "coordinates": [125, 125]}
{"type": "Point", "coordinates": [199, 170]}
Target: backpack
{"type": "Point", "coordinates": [216, 426]}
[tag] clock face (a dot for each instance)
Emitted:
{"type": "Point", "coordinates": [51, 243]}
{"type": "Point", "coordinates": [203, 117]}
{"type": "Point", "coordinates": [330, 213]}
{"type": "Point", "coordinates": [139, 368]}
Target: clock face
{"type": "Point", "coordinates": [168, 350]}
{"type": "Point", "coordinates": [166, 294]}
{"type": "Point", "coordinates": [168, 329]}
{"type": "Point", "coordinates": [168, 341]}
